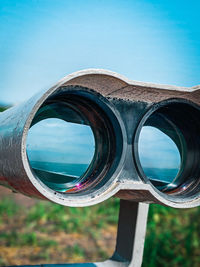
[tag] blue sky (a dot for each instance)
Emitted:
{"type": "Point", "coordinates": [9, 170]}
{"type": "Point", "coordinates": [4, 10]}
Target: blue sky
{"type": "Point", "coordinates": [159, 156]}
{"type": "Point", "coordinates": [157, 150]}
{"type": "Point", "coordinates": [42, 41]}
{"type": "Point", "coordinates": [72, 143]}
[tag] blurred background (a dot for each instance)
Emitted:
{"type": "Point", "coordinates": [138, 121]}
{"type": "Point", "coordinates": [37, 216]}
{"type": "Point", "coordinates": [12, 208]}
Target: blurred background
{"type": "Point", "coordinates": [43, 40]}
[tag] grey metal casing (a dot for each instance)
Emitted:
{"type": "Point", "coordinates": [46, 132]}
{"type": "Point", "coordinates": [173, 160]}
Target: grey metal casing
{"type": "Point", "coordinates": [129, 102]}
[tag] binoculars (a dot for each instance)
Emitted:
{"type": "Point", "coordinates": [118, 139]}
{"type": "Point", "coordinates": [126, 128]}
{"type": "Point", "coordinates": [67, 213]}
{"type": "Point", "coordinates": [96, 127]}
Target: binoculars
{"type": "Point", "coordinates": [96, 134]}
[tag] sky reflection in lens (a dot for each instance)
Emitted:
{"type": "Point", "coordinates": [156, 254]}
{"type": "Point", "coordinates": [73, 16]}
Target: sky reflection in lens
{"type": "Point", "coordinates": [159, 156]}
{"type": "Point", "coordinates": [60, 152]}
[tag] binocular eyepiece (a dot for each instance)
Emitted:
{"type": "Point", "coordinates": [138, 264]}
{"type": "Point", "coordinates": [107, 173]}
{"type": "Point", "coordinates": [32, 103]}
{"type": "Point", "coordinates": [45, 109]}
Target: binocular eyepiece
{"type": "Point", "coordinates": [96, 134]}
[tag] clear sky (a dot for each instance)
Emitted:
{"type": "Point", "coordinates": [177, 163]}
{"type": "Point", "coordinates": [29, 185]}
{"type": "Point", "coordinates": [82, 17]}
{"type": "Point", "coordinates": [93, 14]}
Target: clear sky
{"type": "Point", "coordinates": [148, 40]}
{"type": "Point", "coordinates": [157, 150]}
{"type": "Point", "coordinates": [159, 156]}
{"type": "Point", "coordinates": [73, 143]}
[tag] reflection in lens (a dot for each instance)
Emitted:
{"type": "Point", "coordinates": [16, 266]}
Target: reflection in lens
{"type": "Point", "coordinates": [169, 148]}
{"type": "Point", "coordinates": [61, 148]}
{"type": "Point", "coordinates": [159, 156]}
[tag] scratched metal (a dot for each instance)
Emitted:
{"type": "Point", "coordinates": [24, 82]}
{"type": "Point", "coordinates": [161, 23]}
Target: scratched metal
{"type": "Point", "coordinates": [119, 92]}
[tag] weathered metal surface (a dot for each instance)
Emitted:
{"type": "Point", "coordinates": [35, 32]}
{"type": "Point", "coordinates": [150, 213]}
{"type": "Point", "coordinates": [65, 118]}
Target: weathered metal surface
{"type": "Point", "coordinates": [131, 232]}
{"type": "Point", "coordinates": [128, 102]}
{"type": "Point", "coordinates": [111, 84]}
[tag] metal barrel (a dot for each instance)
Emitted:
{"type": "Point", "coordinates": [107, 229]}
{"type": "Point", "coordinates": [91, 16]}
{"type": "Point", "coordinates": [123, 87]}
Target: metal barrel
{"type": "Point", "coordinates": [96, 134]}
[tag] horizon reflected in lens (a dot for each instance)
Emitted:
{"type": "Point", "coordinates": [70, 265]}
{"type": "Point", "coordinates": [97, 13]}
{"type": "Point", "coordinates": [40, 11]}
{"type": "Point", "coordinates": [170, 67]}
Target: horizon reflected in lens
{"type": "Point", "coordinates": [159, 156]}
{"type": "Point", "coordinates": [60, 151]}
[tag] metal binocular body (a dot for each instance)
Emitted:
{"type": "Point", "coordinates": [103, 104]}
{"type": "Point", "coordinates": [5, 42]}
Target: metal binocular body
{"type": "Point", "coordinates": [96, 134]}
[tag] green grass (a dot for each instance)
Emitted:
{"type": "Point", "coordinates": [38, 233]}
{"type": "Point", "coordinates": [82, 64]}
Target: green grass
{"type": "Point", "coordinates": [15, 238]}
{"type": "Point", "coordinates": [72, 219]}
{"type": "Point", "coordinates": [172, 235]}
{"type": "Point", "coordinates": [2, 109]}
{"type": "Point", "coordinates": [8, 208]}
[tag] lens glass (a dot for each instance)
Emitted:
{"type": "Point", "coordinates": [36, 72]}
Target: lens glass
{"type": "Point", "coordinates": [60, 146]}
{"type": "Point", "coordinates": [159, 156]}
{"type": "Point", "coordinates": [162, 150]}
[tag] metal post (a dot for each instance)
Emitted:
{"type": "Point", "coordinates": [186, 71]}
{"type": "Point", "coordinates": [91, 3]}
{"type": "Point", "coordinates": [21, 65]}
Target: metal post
{"type": "Point", "coordinates": [131, 232]}
{"type": "Point", "coordinates": [130, 238]}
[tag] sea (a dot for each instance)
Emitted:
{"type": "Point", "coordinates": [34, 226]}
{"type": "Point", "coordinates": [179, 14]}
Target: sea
{"type": "Point", "coordinates": [69, 169]}
{"type": "Point", "coordinates": [165, 175]}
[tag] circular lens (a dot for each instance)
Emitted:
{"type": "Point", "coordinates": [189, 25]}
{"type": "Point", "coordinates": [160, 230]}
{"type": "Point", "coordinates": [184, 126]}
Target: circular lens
{"type": "Point", "coordinates": [71, 143]}
{"type": "Point", "coordinates": [60, 150]}
{"type": "Point", "coordinates": [169, 148]}
{"type": "Point", "coordinates": [159, 156]}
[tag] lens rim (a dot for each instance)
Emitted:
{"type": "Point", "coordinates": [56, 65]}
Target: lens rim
{"type": "Point", "coordinates": [114, 119]}
{"type": "Point", "coordinates": [191, 187]}
{"type": "Point", "coordinates": [42, 115]}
